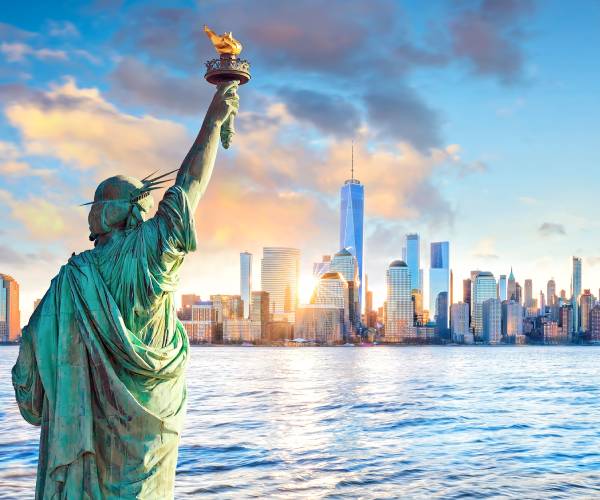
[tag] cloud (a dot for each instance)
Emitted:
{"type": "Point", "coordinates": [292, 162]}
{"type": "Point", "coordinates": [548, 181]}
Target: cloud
{"type": "Point", "coordinates": [400, 114]}
{"type": "Point", "coordinates": [488, 37]}
{"type": "Point", "coordinates": [329, 113]}
{"type": "Point", "coordinates": [341, 45]}
{"type": "Point", "coordinates": [18, 52]}
{"type": "Point", "coordinates": [23, 169]}
{"type": "Point", "coordinates": [10, 257]}
{"type": "Point", "coordinates": [552, 229]}
{"type": "Point", "coordinates": [528, 200]}
{"type": "Point", "coordinates": [80, 128]}
{"type": "Point", "coordinates": [398, 178]}
{"type": "Point", "coordinates": [42, 219]}
{"type": "Point", "coordinates": [274, 187]}
{"type": "Point", "coordinates": [10, 32]}
{"type": "Point", "coordinates": [485, 249]}
{"type": "Point", "coordinates": [140, 84]}
{"type": "Point", "coordinates": [62, 29]}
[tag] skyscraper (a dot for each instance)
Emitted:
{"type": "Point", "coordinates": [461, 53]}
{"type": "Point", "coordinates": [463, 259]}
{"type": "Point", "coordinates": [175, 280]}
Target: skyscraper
{"type": "Point", "coordinates": [332, 290]}
{"type": "Point", "coordinates": [576, 292]}
{"type": "Point", "coordinates": [511, 291]}
{"type": "Point", "coordinates": [320, 323]}
{"type": "Point", "coordinates": [368, 296]}
{"type": "Point", "coordinates": [551, 293]}
{"type": "Point", "coordinates": [10, 315]}
{"type": "Point", "coordinates": [399, 311]}
{"type": "Point", "coordinates": [502, 290]}
{"type": "Point", "coordinates": [518, 293]}
{"type": "Point", "coordinates": [413, 260]}
{"type": "Point", "coordinates": [512, 320]}
{"type": "Point", "coordinates": [459, 319]}
{"type": "Point", "coordinates": [467, 289]}
{"type": "Point", "coordinates": [595, 324]}
{"type": "Point", "coordinates": [492, 321]}
{"type": "Point", "coordinates": [320, 268]}
{"type": "Point", "coordinates": [246, 280]}
{"type": "Point", "coordinates": [280, 274]}
{"type": "Point", "coordinates": [187, 301]}
{"type": "Point", "coordinates": [528, 293]}
{"type": "Point", "coordinates": [259, 312]}
{"type": "Point", "coordinates": [484, 288]}
{"type": "Point", "coordinates": [542, 303]}
{"type": "Point", "coordinates": [352, 207]}
{"type": "Point", "coordinates": [417, 300]}
{"type": "Point", "coordinates": [565, 321]}
{"type": "Point", "coordinates": [586, 302]}
{"type": "Point", "coordinates": [439, 278]}
{"type": "Point", "coordinates": [576, 278]}
{"type": "Point", "coordinates": [346, 264]}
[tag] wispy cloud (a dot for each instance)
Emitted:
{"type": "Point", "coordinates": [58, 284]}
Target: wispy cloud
{"type": "Point", "coordinates": [18, 52]}
{"type": "Point", "coordinates": [552, 229]}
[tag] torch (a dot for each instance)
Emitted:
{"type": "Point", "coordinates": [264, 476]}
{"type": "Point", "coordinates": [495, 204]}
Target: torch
{"type": "Point", "coordinates": [227, 67]}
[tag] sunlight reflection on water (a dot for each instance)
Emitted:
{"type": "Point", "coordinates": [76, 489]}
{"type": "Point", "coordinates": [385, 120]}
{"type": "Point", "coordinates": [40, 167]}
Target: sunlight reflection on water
{"type": "Point", "coordinates": [381, 422]}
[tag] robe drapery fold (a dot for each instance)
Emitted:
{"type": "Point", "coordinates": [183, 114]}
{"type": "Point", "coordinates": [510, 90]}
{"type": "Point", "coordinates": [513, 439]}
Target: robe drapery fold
{"type": "Point", "coordinates": [101, 364]}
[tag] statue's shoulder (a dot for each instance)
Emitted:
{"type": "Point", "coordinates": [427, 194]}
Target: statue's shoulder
{"type": "Point", "coordinates": [81, 260]}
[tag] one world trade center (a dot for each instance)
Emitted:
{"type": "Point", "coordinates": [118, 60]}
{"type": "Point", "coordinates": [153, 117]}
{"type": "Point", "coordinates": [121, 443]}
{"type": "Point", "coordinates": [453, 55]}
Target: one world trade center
{"type": "Point", "coordinates": [352, 209]}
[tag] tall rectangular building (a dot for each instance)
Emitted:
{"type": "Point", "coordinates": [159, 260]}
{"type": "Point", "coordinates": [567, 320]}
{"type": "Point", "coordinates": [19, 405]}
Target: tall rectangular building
{"type": "Point", "coordinates": [439, 279]}
{"type": "Point", "coordinates": [484, 288]}
{"type": "Point", "coordinates": [595, 324]}
{"type": "Point", "coordinates": [280, 275]}
{"type": "Point", "coordinates": [459, 319]}
{"type": "Point", "coordinates": [187, 301]}
{"type": "Point", "coordinates": [502, 290]}
{"type": "Point", "coordinates": [399, 314]}
{"type": "Point", "coordinates": [492, 321]}
{"type": "Point", "coordinates": [575, 293]}
{"type": "Point", "coordinates": [246, 281]}
{"type": "Point", "coordinates": [259, 313]}
{"type": "Point", "coordinates": [352, 212]}
{"type": "Point", "coordinates": [528, 291]}
{"type": "Point", "coordinates": [413, 260]}
{"type": "Point", "coordinates": [512, 320]}
{"type": "Point", "coordinates": [10, 314]}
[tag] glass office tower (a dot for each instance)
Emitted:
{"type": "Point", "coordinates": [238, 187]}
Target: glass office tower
{"type": "Point", "coordinates": [280, 275]}
{"type": "Point", "coordinates": [246, 281]}
{"type": "Point", "coordinates": [413, 260]}
{"type": "Point", "coordinates": [502, 290]}
{"type": "Point", "coordinates": [399, 308]}
{"type": "Point", "coordinates": [576, 292]}
{"type": "Point", "coordinates": [484, 288]}
{"type": "Point", "coordinates": [352, 208]}
{"type": "Point", "coordinates": [439, 279]}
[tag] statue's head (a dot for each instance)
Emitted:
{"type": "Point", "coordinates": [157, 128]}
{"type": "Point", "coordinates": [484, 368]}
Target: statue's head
{"type": "Point", "coordinates": [120, 202]}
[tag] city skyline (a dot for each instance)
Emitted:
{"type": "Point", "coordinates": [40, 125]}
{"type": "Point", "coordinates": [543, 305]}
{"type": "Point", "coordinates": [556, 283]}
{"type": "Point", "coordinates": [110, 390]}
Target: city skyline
{"type": "Point", "coordinates": [470, 147]}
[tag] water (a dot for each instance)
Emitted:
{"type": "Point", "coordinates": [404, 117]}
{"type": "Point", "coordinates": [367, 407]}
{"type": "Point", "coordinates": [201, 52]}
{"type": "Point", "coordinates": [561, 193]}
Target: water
{"type": "Point", "coordinates": [378, 422]}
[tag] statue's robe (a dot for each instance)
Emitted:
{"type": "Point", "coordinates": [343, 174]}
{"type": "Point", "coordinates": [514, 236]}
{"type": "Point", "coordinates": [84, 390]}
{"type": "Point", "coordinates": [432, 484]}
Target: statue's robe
{"type": "Point", "coordinates": [101, 364]}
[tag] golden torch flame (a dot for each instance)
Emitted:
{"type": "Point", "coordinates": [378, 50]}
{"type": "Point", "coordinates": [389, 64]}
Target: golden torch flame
{"type": "Point", "coordinates": [225, 43]}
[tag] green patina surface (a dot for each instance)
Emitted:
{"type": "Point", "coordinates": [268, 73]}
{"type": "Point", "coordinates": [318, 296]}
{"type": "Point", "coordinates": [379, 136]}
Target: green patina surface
{"type": "Point", "coordinates": [102, 360]}
{"type": "Point", "coordinates": [101, 365]}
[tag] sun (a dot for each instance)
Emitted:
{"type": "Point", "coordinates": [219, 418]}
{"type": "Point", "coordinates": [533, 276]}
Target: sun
{"type": "Point", "coordinates": [306, 287]}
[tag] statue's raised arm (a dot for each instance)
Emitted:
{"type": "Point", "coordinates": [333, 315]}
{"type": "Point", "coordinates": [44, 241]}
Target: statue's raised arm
{"type": "Point", "coordinates": [196, 169]}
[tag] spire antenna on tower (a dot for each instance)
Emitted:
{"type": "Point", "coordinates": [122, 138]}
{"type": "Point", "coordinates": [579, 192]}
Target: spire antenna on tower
{"type": "Point", "coordinates": [352, 160]}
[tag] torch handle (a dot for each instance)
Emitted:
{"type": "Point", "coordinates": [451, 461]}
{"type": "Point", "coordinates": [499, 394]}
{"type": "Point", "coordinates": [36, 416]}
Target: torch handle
{"type": "Point", "coordinates": [227, 131]}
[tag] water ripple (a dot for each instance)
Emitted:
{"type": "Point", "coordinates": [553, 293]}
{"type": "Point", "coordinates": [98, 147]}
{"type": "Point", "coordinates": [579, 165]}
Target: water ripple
{"type": "Point", "coordinates": [422, 422]}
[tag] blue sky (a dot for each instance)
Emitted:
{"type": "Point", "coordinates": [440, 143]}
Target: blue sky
{"type": "Point", "coordinates": [473, 121]}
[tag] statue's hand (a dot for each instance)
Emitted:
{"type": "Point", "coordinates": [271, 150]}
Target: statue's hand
{"type": "Point", "coordinates": [225, 103]}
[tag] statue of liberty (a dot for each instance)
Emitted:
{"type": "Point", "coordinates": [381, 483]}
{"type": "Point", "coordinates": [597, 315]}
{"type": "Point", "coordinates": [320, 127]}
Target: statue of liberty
{"type": "Point", "coordinates": [102, 360]}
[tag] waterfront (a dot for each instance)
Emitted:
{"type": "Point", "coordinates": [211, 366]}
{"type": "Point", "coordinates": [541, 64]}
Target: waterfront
{"type": "Point", "coordinates": [372, 422]}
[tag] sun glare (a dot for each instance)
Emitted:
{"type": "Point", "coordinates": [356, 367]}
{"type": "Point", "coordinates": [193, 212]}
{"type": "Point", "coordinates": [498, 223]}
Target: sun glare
{"type": "Point", "coordinates": [307, 285]}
